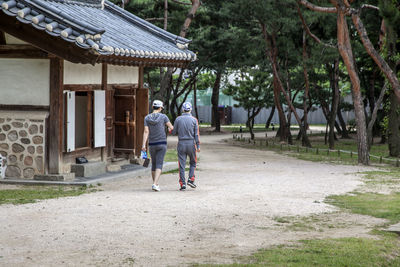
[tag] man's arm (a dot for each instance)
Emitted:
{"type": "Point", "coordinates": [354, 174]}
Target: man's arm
{"type": "Point", "coordinates": [145, 136]}
{"type": "Point", "coordinates": [170, 127]}
{"type": "Point", "coordinates": [197, 134]}
{"type": "Point", "coordinates": [175, 127]}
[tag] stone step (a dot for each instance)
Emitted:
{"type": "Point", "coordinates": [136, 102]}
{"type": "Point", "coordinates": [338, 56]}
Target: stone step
{"type": "Point", "coordinates": [113, 168]}
{"type": "Point", "coordinates": [89, 169]}
{"type": "Point", "coordinates": [55, 177]}
{"type": "Point", "coordinates": [119, 161]}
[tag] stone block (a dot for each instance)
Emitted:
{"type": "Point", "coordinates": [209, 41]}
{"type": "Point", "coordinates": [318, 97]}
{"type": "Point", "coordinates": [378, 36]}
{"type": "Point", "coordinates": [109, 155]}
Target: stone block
{"type": "Point", "coordinates": [55, 177]}
{"type": "Point", "coordinates": [89, 169]}
{"type": "Point", "coordinates": [113, 168]}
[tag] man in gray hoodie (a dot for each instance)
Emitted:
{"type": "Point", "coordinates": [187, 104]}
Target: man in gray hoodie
{"type": "Point", "coordinates": [187, 128]}
{"type": "Point", "coordinates": [154, 130]}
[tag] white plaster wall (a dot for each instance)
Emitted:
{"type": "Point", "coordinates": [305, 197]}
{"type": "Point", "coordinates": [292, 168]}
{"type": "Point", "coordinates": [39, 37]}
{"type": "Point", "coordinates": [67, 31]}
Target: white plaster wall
{"type": "Point", "coordinates": [122, 74]}
{"type": "Point", "coordinates": [12, 40]}
{"type": "Point", "coordinates": [25, 81]}
{"type": "Point", "coordinates": [81, 73]}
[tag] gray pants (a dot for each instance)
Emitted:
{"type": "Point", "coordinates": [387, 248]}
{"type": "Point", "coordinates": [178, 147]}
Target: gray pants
{"type": "Point", "coordinates": [157, 154]}
{"type": "Point", "coordinates": [186, 148]}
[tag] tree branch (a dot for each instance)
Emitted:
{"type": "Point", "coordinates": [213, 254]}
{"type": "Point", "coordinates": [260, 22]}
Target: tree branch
{"type": "Point", "coordinates": [318, 8]}
{"type": "Point", "coordinates": [382, 64]}
{"type": "Point", "coordinates": [309, 32]}
{"type": "Point", "coordinates": [181, 3]}
{"type": "Point", "coordinates": [369, 6]}
{"type": "Point", "coordinates": [154, 19]}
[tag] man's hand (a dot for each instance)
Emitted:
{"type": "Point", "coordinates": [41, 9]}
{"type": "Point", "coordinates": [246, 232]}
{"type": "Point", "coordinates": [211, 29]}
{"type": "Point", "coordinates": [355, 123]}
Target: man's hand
{"type": "Point", "coordinates": [144, 148]}
{"type": "Point", "coordinates": [198, 150]}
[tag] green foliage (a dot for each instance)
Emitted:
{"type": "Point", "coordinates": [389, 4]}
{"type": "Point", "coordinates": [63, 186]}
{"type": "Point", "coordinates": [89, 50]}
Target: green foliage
{"type": "Point", "coordinates": [252, 89]}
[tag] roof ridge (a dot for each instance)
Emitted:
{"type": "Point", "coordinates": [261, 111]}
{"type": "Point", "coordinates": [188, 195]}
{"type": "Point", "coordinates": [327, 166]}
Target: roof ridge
{"type": "Point", "coordinates": [147, 25]}
{"type": "Point", "coordinates": [89, 3]}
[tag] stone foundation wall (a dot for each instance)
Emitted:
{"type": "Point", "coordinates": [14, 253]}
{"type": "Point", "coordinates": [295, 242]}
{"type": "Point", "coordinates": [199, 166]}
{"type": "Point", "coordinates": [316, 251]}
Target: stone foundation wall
{"type": "Point", "coordinates": [22, 141]}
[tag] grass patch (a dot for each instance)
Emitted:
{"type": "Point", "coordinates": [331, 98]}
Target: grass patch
{"type": "Point", "coordinates": [33, 194]}
{"type": "Point", "coordinates": [330, 252]}
{"type": "Point", "coordinates": [388, 176]}
{"type": "Point", "coordinates": [319, 151]}
{"type": "Point", "coordinates": [372, 204]}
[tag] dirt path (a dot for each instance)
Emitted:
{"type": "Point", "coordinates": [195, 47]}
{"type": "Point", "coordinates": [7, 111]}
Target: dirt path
{"type": "Point", "coordinates": [232, 213]}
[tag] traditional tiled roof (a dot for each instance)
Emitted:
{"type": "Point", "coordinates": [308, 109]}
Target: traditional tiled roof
{"type": "Point", "coordinates": [101, 26]}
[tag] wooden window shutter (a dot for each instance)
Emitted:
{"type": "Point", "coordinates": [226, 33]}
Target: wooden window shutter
{"type": "Point", "coordinates": [70, 121]}
{"type": "Point", "coordinates": [99, 118]}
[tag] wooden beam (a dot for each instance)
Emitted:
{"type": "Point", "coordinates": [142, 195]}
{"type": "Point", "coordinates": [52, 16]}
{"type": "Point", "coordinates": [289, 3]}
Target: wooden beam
{"type": "Point", "coordinates": [82, 87]}
{"type": "Point", "coordinates": [21, 51]}
{"type": "Point", "coordinates": [56, 115]}
{"type": "Point", "coordinates": [42, 40]}
{"type": "Point", "coordinates": [24, 107]}
{"type": "Point", "coordinates": [2, 38]}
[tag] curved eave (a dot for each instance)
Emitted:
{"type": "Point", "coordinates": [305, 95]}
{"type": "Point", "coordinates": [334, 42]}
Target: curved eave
{"type": "Point", "coordinates": [142, 62]}
{"type": "Point", "coordinates": [67, 29]}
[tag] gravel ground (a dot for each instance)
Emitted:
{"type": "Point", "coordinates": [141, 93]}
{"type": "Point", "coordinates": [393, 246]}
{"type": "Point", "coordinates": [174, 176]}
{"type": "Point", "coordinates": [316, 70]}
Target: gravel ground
{"type": "Point", "coordinates": [232, 213]}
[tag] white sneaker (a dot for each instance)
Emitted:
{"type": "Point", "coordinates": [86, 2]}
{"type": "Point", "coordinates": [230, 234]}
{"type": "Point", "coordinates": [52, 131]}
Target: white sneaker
{"type": "Point", "coordinates": [155, 188]}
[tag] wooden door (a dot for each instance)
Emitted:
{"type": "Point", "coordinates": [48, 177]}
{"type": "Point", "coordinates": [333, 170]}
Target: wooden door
{"type": "Point", "coordinates": [125, 119]}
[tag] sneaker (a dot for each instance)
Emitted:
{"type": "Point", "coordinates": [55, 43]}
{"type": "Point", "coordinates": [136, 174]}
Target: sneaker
{"type": "Point", "coordinates": [191, 184]}
{"type": "Point", "coordinates": [155, 188]}
{"type": "Point", "coordinates": [183, 187]}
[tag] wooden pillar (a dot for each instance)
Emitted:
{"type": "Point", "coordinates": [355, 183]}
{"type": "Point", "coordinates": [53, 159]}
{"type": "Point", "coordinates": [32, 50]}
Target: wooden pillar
{"type": "Point", "coordinates": [56, 115]}
{"type": "Point", "coordinates": [2, 38]}
{"type": "Point", "coordinates": [142, 108]}
{"type": "Point", "coordinates": [104, 76]}
{"type": "Point", "coordinates": [141, 77]}
{"type": "Point", "coordinates": [104, 81]}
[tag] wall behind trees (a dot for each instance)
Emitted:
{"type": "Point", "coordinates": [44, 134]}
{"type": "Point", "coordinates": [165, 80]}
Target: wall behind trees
{"type": "Point", "coordinates": [239, 115]}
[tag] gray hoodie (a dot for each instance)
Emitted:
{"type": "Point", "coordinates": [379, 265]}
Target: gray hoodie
{"type": "Point", "coordinates": [156, 123]}
{"type": "Point", "coordinates": [187, 128]}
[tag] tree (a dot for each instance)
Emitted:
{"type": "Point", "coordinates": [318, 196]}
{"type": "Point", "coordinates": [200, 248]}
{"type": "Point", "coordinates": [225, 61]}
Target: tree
{"type": "Point", "coordinates": [346, 52]}
{"type": "Point", "coordinates": [253, 91]}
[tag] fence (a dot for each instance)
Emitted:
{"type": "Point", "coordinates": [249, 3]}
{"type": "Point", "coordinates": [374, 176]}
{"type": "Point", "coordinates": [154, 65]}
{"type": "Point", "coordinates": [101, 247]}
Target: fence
{"type": "Point", "coordinates": [317, 151]}
{"type": "Point", "coordinates": [239, 115]}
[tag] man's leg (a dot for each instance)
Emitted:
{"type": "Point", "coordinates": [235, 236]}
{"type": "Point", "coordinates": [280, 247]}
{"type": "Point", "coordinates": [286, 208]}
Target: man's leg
{"type": "Point", "coordinates": [182, 163]}
{"type": "Point", "coordinates": [193, 161]}
{"type": "Point", "coordinates": [161, 150]}
{"type": "Point", "coordinates": [153, 155]}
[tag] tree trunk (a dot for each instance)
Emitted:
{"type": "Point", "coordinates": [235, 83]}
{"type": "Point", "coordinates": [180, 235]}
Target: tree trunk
{"type": "Point", "coordinates": [215, 101]}
{"type": "Point", "coordinates": [189, 17]}
{"type": "Point", "coordinates": [271, 115]}
{"type": "Point", "coordinates": [345, 133]}
{"type": "Point", "coordinates": [393, 134]}
{"type": "Point", "coordinates": [374, 114]}
{"type": "Point", "coordinates": [335, 102]}
{"type": "Point", "coordinates": [165, 14]}
{"type": "Point", "coordinates": [165, 88]}
{"type": "Point", "coordinates": [272, 52]}
{"type": "Point", "coordinates": [307, 83]}
{"type": "Point", "coordinates": [195, 100]}
{"type": "Point", "coordinates": [346, 52]}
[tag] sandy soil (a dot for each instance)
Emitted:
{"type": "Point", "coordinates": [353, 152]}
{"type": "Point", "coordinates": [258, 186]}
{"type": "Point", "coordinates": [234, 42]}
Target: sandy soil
{"type": "Point", "coordinates": [235, 210]}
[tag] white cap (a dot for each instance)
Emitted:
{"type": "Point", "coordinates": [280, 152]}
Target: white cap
{"type": "Point", "coordinates": [158, 104]}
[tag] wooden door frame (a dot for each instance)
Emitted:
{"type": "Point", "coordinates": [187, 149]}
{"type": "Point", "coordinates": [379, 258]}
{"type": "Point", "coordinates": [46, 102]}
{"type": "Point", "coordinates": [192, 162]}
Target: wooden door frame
{"type": "Point", "coordinates": [133, 87]}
